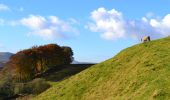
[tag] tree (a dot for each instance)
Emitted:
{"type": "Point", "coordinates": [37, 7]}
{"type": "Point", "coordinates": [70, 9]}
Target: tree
{"type": "Point", "coordinates": [68, 55]}
{"type": "Point", "coordinates": [28, 63]}
{"type": "Point", "coordinates": [23, 66]}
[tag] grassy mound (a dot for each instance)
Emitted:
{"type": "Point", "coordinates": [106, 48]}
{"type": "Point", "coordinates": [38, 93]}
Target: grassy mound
{"type": "Point", "coordinates": [140, 72]}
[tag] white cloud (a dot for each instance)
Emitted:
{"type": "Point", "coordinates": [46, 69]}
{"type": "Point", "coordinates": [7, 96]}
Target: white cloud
{"type": "Point", "coordinates": [162, 26]}
{"type": "Point", "coordinates": [4, 7]}
{"type": "Point", "coordinates": [33, 22]}
{"type": "Point", "coordinates": [112, 25]}
{"type": "Point", "coordinates": [109, 23]}
{"type": "Point", "coordinates": [50, 27]}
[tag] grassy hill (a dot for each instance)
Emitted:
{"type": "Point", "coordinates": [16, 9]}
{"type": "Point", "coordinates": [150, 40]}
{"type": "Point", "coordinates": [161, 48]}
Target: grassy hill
{"type": "Point", "coordinates": [141, 72]}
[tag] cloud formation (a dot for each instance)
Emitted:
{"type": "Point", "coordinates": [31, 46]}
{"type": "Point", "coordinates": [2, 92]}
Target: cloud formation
{"type": "Point", "coordinates": [4, 7]}
{"type": "Point", "coordinates": [112, 25]}
{"type": "Point", "coordinates": [162, 26]}
{"type": "Point", "coordinates": [50, 27]}
{"type": "Point", "coordinates": [107, 22]}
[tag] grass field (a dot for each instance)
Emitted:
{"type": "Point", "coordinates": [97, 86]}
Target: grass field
{"type": "Point", "coordinates": [141, 72]}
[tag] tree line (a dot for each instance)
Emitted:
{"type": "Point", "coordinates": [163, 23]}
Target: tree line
{"type": "Point", "coordinates": [28, 63]}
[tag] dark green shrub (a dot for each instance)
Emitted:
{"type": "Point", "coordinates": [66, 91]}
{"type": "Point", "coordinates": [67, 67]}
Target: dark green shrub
{"type": "Point", "coordinates": [38, 85]}
{"type": "Point", "coordinates": [6, 87]}
{"type": "Point", "coordinates": [34, 87]}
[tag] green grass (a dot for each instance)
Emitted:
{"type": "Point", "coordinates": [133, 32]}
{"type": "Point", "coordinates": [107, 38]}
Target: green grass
{"type": "Point", "coordinates": [141, 72]}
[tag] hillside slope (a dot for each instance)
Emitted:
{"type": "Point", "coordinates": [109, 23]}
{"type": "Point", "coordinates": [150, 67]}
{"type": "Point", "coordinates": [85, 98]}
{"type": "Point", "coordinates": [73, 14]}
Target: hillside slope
{"type": "Point", "coordinates": [140, 72]}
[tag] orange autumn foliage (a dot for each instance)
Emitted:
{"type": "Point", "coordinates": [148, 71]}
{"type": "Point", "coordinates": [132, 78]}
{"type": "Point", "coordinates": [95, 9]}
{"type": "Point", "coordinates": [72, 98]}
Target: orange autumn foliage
{"type": "Point", "coordinates": [28, 63]}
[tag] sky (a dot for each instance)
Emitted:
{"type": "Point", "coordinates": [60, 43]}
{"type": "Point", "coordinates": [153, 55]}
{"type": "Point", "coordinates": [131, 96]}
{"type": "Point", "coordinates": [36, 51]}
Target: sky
{"type": "Point", "coordinates": [96, 30]}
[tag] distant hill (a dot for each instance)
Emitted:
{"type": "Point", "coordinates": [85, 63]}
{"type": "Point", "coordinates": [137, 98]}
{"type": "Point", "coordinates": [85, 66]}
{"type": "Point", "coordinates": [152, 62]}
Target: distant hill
{"type": "Point", "coordinates": [4, 57]}
{"type": "Point", "coordinates": [140, 72]}
{"type": "Point", "coordinates": [77, 62]}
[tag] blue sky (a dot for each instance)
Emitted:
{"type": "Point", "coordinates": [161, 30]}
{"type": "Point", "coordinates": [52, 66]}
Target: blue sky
{"type": "Point", "coordinates": [95, 29]}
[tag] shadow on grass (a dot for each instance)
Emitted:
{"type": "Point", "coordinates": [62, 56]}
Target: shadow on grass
{"type": "Point", "coordinates": [59, 73]}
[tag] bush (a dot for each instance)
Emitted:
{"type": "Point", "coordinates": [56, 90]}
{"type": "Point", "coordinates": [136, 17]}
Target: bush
{"type": "Point", "coordinates": [9, 88]}
{"type": "Point", "coordinates": [34, 87]}
{"type": "Point", "coordinates": [6, 87]}
{"type": "Point", "coordinates": [38, 85]}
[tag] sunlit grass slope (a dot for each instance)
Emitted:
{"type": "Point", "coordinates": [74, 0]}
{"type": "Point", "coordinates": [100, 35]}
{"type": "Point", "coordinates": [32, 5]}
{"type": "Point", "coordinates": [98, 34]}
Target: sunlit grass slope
{"type": "Point", "coordinates": [141, 72]}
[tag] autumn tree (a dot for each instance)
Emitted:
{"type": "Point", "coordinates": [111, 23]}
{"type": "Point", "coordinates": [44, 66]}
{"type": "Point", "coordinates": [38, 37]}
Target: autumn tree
{"type": "Point", "coordinates": [23, 66]}
{"type": "Point", "coordinates": [68, 55]}
{"type": "Point", "coordinates": [31, 62]}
